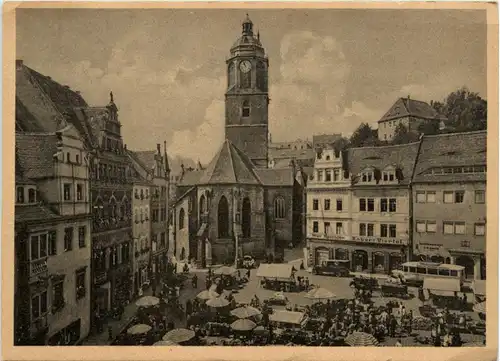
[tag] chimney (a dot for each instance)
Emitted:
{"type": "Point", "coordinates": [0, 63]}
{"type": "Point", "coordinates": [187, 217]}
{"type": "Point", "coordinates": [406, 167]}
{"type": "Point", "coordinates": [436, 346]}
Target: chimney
{"type": "Point", "coordinates": [19, 64]}
{"type": "Point", "coordinates": [125, 146]}
{"type": "Point", "coordinates": [159, 148]}
{"type": "Point", "coordinates": [182, 169]}
{"type": "Point", "coordinates": [167, 166]}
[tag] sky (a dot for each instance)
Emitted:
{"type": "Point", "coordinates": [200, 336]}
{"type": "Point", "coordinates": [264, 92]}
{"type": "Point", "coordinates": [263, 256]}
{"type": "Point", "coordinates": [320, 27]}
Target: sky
{"type": "Point", "coordinates": [330, 70]}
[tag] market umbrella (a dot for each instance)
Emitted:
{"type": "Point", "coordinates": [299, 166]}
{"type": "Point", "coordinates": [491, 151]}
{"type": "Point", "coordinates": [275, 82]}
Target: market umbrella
{"type": "Point", "coordinates": [243, 325]}
{"type": "Point", "coordinates": [207, 295]}
{"type": "Point", "coordinates": [165, 343]}
{"type": "Point", "coordinates": [226, 271]}
{"type": "Point", "coordinates": [480, 307]}
{"type": "Point", "coordinates": [361, 339]}
{"type": "Point", "coordinates": [147, 301]}
{"type": "Point", "coordinates": [138, 329]}
{"type": "Point", "coordinates": [320, 294]}
{"type": "Point", "coordinates": [179, 335]}
{"type": "Point", "coordinates": [217, 302]}
{"type": "Point", "coordinates": [245, 312]}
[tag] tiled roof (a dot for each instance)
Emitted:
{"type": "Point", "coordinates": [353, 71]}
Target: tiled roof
{"type": "Point", "coordinates": [36, 212]}
{"type": "Point", "coordinates": [43, 105]}
{"type": "Point", "coordinates": [449, 150]}
{"type": "Point", "coordinates": [404, 107]}
{"type": "Point", "coordinates": [146, 158]}
{"type": "Point", "coordinates": [36, 154]}
{"type": "Point", "coordinates": [190, 178]}
{"type": "Point", "coordinates": [276, 177]}
{"type": "Point", "coordinates": [229, 166]}
{"type": "Point", "coordinates": [325, 139]}
{"type": "Point", "coordinates": [399, 156]}
{"type": "Point", "coordinates": [276, 153]}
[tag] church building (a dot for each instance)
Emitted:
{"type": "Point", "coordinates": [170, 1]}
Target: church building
{"type": "Point", "coordinates": [236, 203]}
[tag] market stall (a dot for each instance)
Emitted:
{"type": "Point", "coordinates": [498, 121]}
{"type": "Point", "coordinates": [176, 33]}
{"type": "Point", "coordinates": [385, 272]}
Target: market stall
{"type": "Point", "coordinates": [443, 292]}
{"type": "Point", "coordinates": [278, 277]}
{"type": "Point", "coordinates": [288, 319]}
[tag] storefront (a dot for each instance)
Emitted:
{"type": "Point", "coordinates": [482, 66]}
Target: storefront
{"type": "Point", "coordinates": [367, 254]}
{"type": "Point", "coordinates": [69, 335]}
{"type": "Point", "coordinates": [121, 285]}
{"type": "Point", "coordinates": [103, 297]}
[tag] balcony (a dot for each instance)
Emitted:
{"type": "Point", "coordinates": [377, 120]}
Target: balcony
{"type": "Point", "coordinates": [39, 266]}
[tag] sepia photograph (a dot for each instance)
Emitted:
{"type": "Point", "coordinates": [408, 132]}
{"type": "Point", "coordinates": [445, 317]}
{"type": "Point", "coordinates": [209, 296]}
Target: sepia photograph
{"type": "Point", "coordinates": [252, 177]}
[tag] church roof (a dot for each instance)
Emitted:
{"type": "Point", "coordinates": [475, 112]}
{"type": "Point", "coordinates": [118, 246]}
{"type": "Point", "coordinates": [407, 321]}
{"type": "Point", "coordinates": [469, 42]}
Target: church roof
{"type": "Point", "coordinates": [404, 107]}
{"type": "Point", "coordinates": [229, 166]}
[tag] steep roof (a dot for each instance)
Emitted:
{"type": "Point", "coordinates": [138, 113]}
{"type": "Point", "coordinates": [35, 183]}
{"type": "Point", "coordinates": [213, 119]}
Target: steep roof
{"type": "Point", "coordinates": [277, 153]}
{"type": "Point", "coordinates": [36, 154]}
{"type": "Point", "coordinates": [43, 105]}
{"type": "Point", "coordinates": [451, 150]}
{"type": "Point", "coordinates": [320, 139]}
{"type": "Point", "coordinates": [276, 177]}
{"type": "Point", "coordinates": [36, 212]}
{"type": "Point", "coordinates": [146, 157]}
{"type": "Point", "coordinates": [399, 156]}
{"type": "Point", "coordinates": [404, 107]}
{"type": "Point", "coordinates": [229, 166]}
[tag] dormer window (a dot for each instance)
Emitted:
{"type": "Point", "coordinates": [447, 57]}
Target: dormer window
{"type": "Point", "coordinates": [20, 195]}
{"type": "Point", "coordinates": [327, 157]}
{"type": "Point", "coordinates": [367, 176]}
{"type": "Point", "coordinates": [31, 195]}
{"type": "Point", "coordinates": [68, 157]}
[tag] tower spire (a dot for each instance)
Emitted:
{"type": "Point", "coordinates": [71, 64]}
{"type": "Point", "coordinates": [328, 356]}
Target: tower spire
{"type": "Point", "coordinates": [247, 26]}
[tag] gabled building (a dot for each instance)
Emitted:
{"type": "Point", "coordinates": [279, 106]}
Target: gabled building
{"type": "Point", "coordinates": [52, 239]}
{"type": "Point", "coordinates": [409, 112]}
{"type": "Point", "coordinates": [153, 168]}
{"type": "Point", "coordinates": [449, 197]}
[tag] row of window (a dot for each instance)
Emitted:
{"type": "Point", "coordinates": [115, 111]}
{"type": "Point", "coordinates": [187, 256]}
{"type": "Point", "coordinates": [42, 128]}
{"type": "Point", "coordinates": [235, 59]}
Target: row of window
{"type": "Point", "coordinates": [44, 244]}
{"type": "Point", "coordinates": [69, 159]}
{"type": "Point", "coordinates": [26, 195]}
{"type": "Point", "coordinates": [450, 196]}
{"type": "Point", "coordinates": [141, 214]}
{"type": "Point", "coordinates": [365, 229]}
{"type": "Point", "coordinates": [39, 301]}
{"type": "Point", "coordinates": [163, 241]}
{"type": "Point", "coordinates": [327, 205]}
{"type": "Point", "coordinates": [457, 170]}
{"type": "Point", "coordinates": [112, 256]}
{"type": "Point", "coordinates": [386, 176]}
{"type": "Point", "coordinates": [331, 175]}
{"type": "Point", "coordinates": [449, 227]}
{"type": "Point", "coordinates": [68, 192]}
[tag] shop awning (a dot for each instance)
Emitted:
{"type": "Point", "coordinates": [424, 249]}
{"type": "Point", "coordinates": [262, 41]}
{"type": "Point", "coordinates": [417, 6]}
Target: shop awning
{"type": "Point", "coordinates": [479, 287]}
{"type": "Point", "coordinates": [294, 318]}
{"type": "Point", "coordinates": [202, 229]}
{"type": "Point", "coordinates": [442, 286]}
{"type": "Point", "coordinates": [281, 272]}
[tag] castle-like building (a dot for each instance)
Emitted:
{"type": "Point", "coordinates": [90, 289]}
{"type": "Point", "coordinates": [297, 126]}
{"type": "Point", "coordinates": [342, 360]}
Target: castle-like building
{"type": "Point", "coordinates": [237, 203]}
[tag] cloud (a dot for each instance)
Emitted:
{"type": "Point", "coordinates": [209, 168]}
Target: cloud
{"type": "Point", "coordinates": [309, 95]}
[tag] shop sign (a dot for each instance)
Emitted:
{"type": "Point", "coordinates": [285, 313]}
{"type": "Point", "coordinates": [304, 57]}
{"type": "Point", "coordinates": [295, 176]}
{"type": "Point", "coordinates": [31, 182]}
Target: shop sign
{"type": "Point", "coordinates": [380, 240]}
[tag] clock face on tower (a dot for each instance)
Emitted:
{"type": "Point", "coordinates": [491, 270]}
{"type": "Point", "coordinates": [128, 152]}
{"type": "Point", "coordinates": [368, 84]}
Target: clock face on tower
{"type": "Point", "coordinates": [245, 66]}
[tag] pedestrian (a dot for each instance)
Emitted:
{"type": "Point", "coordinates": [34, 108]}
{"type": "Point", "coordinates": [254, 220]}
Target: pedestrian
{"type": "Point", "coordinates": [248, 273]}
{"type": "Point", "coordinates": [307, 282]}
{"type": "Point", "coordinates": [194, 281]}
{"type": "Point", "coordinates": [464, 302]}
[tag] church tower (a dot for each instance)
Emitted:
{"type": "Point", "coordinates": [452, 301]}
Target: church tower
{"type": "Point", "coordinates": [247, 97]}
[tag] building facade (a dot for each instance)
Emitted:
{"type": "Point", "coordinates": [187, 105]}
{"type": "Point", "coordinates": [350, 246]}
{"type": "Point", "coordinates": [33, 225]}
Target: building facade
{"type": "Point", "coordinates": [329, 211]}
{"type": "Point", "coordinates": [409, 112]}
{"type": "Point", "coordinates": [111, 192]}
{"type": "Point", "coordinates": [52, 231]}
{"type": "Point", "coordinates": [359, 207]}
{"type": "Point", "coordinates": [449, 196]}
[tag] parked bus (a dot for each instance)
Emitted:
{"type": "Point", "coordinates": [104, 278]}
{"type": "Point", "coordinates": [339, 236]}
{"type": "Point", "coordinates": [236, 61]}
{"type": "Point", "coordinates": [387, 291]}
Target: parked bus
{"type": "Point", "coordinates": [416, 272]}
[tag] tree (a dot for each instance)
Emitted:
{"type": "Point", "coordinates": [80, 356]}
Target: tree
{"type": "Point", "coordinates": [465, 110]}
{"type": "Point", "coordinates": [429, 128]}
{"type": "Point", "coordinates": [364, 136]}
{"type": "Point", "coordinates": [403, 136]}
{"type": "Point", "coordinates": [339, 145]}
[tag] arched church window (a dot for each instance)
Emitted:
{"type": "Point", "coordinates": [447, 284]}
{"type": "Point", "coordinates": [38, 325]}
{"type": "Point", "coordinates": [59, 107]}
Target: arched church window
{"type": "Point", "coordinates": [181, 218]}
{"type": "Point", "coordinates": [202, 205]}
{"type": "Point", "coordinates": [279, 208]}
{"type": "Point", "coordinates": [246, 218]}
{"type": "Point", "coordinates": [245, 110]}
{"type": "Point", "coordinates": [261, 76]}
{"type": "Point", "coordinates": [231, 75]}
{"type": "Point", "coordinates": [223, 218]}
